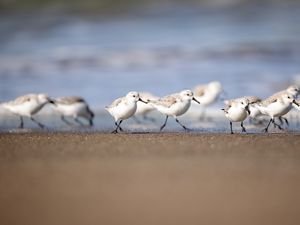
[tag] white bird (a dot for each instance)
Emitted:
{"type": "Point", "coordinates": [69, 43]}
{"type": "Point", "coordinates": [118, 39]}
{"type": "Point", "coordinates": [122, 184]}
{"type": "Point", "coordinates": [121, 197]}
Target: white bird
{"type": "Point", "coordinates": [276, 106]}
{"type": "Point", "coordinates": [27, 106]}
{"type": "Point", "coordinates": [207, 94]}
{"type": "Point", "coordinates": [123, 108]}
{"type": "Point", "coordinates": [142, 108]}
{"type": "Point", "coordinates": [174, 105]}
{"type": "Point", "coordinates": [74, 107]}
{"type": "Point", "coordinates": [237, 110]}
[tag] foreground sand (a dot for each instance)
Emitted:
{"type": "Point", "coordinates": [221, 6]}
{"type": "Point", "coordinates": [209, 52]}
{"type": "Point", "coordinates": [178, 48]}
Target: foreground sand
{"type": "Point", "coordinates": [65, 178]}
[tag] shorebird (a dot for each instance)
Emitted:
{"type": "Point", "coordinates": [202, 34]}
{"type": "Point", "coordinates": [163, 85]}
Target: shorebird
{"type": "Point", "coordinates": [174, 105]}
{"type": "Point", "coordinates": [237, 110]}
{"type": "Point", "coordinates": [292, 90]}
{"type": "Point", "coordinates": [123, 108]}
{"type": "Point", "coordinates": [207, 94]}
{"type": "Point", "coordinates": [276, 106]}
{"type": "Point", "coordinates": [27, 106]}
{"type": "Point", "coordinates": [74, 107]}
{"type": "Point", "coordinates": [144, 109]}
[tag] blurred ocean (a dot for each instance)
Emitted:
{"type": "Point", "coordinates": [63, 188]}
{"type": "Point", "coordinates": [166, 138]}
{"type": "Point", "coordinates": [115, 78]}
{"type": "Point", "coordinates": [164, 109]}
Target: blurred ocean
{"type": "Point", "coordinates": [253, 50]}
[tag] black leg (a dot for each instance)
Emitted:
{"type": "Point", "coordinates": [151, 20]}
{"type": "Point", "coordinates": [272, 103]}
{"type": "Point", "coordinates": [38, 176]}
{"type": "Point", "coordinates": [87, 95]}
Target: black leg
{"type": "Point", "coordinates": [181, 124]}
{"type": "Point", "coordinates": [231, 131]}
{"type": "Point", "coordinates": [91, 122]}
{"type": "Point", "coordinates": [78, 121]}
{"type": "Point", "coordinates": [286, 121]}
{"type": "Point", "coordinates": [280, 120]}
{"type": "Point", "coordinates": [38, 123]}
{"type": "Point", "coordinates": [21, 123]}
{"type": "Point", "coordinates": [162, 127]}
{"type": "Point", "coordinates": [243, 128]}
{"type": "Point", "coordinates": [119, 126]}
{"type": "Point", "coordinates": [65, 120]}
{"type": "Point", "coordinates": [267, 128]}
{"type": "Point", "coordinates": [115, 130]}
{"type": "Point", "coordinates": [277, 125]}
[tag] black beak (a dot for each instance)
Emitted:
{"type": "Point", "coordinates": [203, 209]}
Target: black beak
{"type": "Point", "coordinates": [52, 102]}
{"type": "Point", "coordinates": [296, 103]}
{"type": "Point", "coordinates": [141, 100]}
{"type": "Point", "coordinates": [247, 109]}
{"type": "Point", "coordinates": [195, 100]}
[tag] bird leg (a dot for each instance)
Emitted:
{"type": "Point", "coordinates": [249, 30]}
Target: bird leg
{"type": "Point", "coordinates": [267, 128]}
{"type": "Point", "coordinates": [181, 124]}
{"type": "Point", "coordinates": [65, 120]}
{"type": "Point", "coordinates": [162, 127]}
{"type": "Point", "coordinates": [21, 123]}
{"type": "Point", "coordinates": [231, 131]}
{"type": "Point", "coordinates": [38, 123]}
{"type": "Point", "coordinates": [78, 121]}
{"type": "Point", "coordinates": [243, 128]}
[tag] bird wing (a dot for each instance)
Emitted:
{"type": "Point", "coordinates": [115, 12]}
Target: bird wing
{"type": "Point", "coordinates": [253, 99]}
{"type": "Point", "coordinates": [69, 100]}
{"type": "Point", "coordinates": [116, 102]}
{"type": "Point", "coordinates": [166, 101]}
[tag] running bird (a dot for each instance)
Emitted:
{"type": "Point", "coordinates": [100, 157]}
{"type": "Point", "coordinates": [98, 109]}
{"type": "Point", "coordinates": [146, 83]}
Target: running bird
{"type": "Point", "coordinates": [292, 90]}
{"type": "Point", "coordinates": [252, 101]}
{"type": "Point", "coordinates": [27, 106]}
{"type": "Point", "coordinates": [74, 107]}
{"type": "Point", "coordinates": [123, 108]}
{"type": "Point", "coordinates": [207, 94]}
{"type": "Point", "coordinates": [237, 110]}
{"type": "Point", "coordinates": [276, 106]}
{"type": "Point", "coordinates": [174, 105]}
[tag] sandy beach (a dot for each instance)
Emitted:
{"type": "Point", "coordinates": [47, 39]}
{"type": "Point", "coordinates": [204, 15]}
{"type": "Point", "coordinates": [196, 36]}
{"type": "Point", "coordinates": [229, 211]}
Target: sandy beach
{"type": "Point", "coordinates": [169, 178]}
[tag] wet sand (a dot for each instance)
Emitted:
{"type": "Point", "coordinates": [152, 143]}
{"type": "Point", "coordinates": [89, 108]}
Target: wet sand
{"type": "Point", "coordinates": [169, 178]}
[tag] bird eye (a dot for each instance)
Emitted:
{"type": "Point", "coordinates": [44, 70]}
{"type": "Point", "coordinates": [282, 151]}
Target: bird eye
{"type": "Point", "coordinates": [134, 96]}
{"type": "Point", "coordinates": [289, 97]}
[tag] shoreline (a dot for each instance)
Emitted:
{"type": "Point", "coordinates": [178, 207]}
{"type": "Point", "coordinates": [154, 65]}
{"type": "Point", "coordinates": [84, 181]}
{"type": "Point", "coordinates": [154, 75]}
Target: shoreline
{"type": "Point", "coordinates": [150, 179]}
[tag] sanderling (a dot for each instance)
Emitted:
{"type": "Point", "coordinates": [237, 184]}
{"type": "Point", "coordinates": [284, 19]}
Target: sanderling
{"type": "Point", "coordinates": [123, 108]}
{"type": "Point", "coordinates": [276, 106]}
{"type": "Point", "coordinates": [292, 90]}
{"type": "Point", "coordinates": [237, 110]}
{"type": "Point", "coordinates": [27, 106]}
{"type": "Point", "coordinates": [207, 94]}
{"type": "Point", "coordinates": [174, 105]}
{"type": "Point", "coordinates": [142, 108]}
{"type": "Point", "coordinates": [74, 107]}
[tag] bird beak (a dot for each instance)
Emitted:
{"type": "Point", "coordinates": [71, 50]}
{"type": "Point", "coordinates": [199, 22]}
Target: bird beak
{"type": "Point", "coordinates": [296, 103]}
{"type": "Point", "coordinates": [52, 102]}
{"type": "Point", "coordinates": [195, 100]}
{"type": "Point", "coordinates": [247, 109]}
{"type": "Point", "coordinates": [141, 100]}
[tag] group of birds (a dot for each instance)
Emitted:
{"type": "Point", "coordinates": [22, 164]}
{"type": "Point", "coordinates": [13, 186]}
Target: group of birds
{"type": "Point", "coordinates": [29, 105]}
{"type": "Point", "coordinates": [174, 105]}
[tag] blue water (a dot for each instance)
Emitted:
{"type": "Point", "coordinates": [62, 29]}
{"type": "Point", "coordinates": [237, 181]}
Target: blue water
{"type": "Point", "coordinates": [251, 50]}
